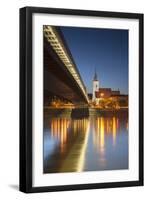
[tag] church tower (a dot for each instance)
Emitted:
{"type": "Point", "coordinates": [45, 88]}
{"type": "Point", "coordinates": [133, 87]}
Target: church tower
{"type": "Point", "coordinates": [95, 86]}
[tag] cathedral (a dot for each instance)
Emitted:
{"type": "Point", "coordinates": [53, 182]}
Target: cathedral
{"type": "Point", "coordinates": [95, 88]}
{"type": "Point", "coordinates": [99, 93]}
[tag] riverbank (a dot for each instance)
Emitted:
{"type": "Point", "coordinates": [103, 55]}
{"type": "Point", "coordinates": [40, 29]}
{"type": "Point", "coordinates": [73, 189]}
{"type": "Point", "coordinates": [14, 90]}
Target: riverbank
{"type": "Point", "coordinates": [83, 112]}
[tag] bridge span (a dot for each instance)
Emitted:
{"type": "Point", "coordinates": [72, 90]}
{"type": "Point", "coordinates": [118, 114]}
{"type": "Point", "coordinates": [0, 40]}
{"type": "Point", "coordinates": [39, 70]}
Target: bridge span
{"type": "Point", "coordinates": [61, 75]}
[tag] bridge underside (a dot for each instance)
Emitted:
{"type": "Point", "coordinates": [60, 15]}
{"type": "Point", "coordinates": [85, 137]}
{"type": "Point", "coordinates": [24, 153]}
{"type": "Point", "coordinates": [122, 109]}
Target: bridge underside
{"type": "Point", "coordinates": [57, 79]}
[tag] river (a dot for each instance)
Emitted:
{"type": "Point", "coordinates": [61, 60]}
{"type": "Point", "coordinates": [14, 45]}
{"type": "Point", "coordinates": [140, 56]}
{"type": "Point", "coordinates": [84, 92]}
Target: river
{"type": "Point", "coordinates": [86, 144]}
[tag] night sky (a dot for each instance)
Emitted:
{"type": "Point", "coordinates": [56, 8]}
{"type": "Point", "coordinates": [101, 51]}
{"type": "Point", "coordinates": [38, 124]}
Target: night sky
{"type": "Point", "coordinates": [105, 50]}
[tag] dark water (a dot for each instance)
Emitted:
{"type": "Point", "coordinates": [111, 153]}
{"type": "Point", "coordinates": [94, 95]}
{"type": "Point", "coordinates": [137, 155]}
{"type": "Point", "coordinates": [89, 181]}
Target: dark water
{"type": "Point", "coordinates": [87, 144]}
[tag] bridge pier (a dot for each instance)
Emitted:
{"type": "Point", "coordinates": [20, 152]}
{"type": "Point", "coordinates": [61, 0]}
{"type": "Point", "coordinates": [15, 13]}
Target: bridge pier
{"type": "Point", "coordinates": [80, 112]}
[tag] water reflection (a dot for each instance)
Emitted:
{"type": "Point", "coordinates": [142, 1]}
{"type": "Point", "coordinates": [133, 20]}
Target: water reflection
{"type": "Point", "coordinates": [95, 143]}
{"type": "Point", "coordinates": [104, 126]}
{"type": "Point", "coordinates": [59, 128]}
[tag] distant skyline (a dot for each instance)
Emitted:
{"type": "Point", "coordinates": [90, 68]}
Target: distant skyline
{"type": "Point", "coordinates": [103, 50]}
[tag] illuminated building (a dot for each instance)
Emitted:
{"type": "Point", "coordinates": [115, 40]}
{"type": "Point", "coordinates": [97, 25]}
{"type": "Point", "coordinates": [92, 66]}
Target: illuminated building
{"type": "Point", "coordinates": [95, 87]}
{"type": "Point", "coordinates": [107, 94]}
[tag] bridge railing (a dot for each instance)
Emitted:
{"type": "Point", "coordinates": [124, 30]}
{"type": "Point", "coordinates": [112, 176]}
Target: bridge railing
{"type": "Point", "coordinates": [55, 41]}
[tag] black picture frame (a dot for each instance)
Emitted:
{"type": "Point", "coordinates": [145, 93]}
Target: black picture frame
{"type": "Point", "coordinates": [26, 14]}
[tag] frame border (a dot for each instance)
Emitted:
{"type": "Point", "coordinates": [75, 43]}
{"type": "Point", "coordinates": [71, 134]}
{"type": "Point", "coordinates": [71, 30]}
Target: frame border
{"type": "Point", "coordinates": [25, 99]}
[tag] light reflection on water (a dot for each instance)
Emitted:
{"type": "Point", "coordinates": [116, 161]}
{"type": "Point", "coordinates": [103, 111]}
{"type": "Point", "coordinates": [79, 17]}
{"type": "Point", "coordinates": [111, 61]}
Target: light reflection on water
{"type": "Point", "coordinates": [88, 144]}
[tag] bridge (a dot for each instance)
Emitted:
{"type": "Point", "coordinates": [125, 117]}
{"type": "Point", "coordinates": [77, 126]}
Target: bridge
{"type": "Point", "coordinates": [61, 76]}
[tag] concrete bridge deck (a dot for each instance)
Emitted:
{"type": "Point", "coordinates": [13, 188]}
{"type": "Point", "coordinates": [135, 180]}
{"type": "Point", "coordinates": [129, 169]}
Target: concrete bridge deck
{"type": "Point", "coordinates": [61, 75]}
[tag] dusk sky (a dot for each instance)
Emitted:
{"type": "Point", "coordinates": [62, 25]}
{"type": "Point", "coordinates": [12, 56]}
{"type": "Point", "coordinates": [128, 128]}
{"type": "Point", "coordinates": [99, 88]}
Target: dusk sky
{"type": "Point", "coordinates": [105, 50]}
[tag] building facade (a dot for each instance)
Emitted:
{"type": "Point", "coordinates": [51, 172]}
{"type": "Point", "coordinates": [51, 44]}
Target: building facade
{"type": "Point", "coordinates": [107, 97]}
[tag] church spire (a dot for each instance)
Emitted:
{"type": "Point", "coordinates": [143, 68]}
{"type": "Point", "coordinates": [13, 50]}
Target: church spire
{"type": "Point", "coordinates": [95, 76]}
